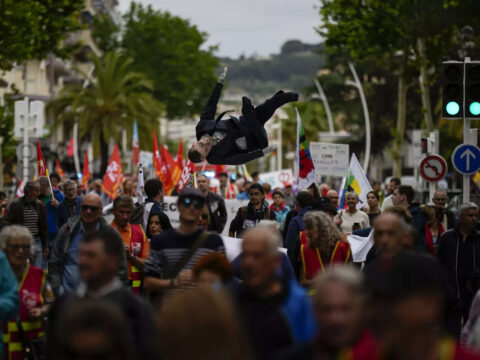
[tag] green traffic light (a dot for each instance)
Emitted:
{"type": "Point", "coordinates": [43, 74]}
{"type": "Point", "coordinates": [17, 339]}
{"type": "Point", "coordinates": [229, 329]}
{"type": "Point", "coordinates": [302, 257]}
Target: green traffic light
{"type": "Point", "coordinates": [474, 108]}
{"type": "Point", "coordinates": [453, 108]}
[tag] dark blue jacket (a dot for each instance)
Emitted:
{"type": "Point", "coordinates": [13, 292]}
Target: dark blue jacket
{"type": "Point", "coordinates": [294, 227]}
{"type": "Point", "coordinates": [52, 214]}
{"type": "Point", "coordinates": [419, 223]}
{"type": "Point", "coordinates": [62, 212]}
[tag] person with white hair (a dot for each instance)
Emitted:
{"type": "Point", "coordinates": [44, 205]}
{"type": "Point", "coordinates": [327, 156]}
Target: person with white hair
{"type": "Point", "coordinates": [351, 219]}
{"type": "Point", "coordinates": [70, 206]}
{"type": "Point", "coordinates": [284, 269]}
{"type": "Point", "coordinates": [339, 306]}
{"type": "Point", "coordinates": [17, 243]}
{"type": "Point", "coordinates": [277, 313]}
{"type": "Point", "coordinates": [459, 255]}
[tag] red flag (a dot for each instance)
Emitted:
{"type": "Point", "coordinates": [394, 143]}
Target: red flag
{"type": "Point", "coordinates": [114, 175]}
{"type": "Point", "coordinates": [219, 169]}
{"type": "Point", "coordinates": [59, 169]}
{"type": "Point", "coordinates": [70, 148]}
{"type": "Point", "coordinates": [171, 171]}
{"type": "Point", "coordinates": [157, 163]}
{"type": "Point", "coordinates": [186, 178]}
{"type": "Point", "coordinates": [86, 172]}
{"type": "Point", "coordinates": [20, 187]}
{"type": "Point", "coordinates": [42, 168]}
{"type": "Point", "coordinates": [179, 157]}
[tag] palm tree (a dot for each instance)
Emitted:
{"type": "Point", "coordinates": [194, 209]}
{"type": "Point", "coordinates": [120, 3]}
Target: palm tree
{"type": "Point", "coordinates": [110, 104]}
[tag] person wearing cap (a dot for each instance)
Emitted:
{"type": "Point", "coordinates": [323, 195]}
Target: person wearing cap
{"type": "Point", "coordinates": [256, 210]}
{"type": "Point", "coordinates": [235, 141]}
{"type": "Point", "coordinates": [185, 244]}
{"type": "Point", "coordinates": [288, 195]}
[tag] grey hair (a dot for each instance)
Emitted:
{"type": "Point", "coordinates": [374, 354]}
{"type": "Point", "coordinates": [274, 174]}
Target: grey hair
{"type": "Point", "coordinates": [29, 186]}
{"type": "Point", "coordinates": [352, 193]}
{"type": "Point", "coordinates": [274, 227]}
{"type": "Point", "coordinates": [16, 232]}
{"type": "Point", "coordinates": [272, 239]}
{"type": "Point", "coordinates": [442, 190]}
{"type": "Point", "coordinates": [327, 232]}
{"type": "Point", "coordinates": [346, 275]}
{"type": "Point", "coordinates": [466, 206]}
{"type": "Point", "coordinates": [67, 183]}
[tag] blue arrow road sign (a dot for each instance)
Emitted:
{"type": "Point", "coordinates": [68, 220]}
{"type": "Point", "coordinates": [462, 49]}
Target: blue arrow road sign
{"type": "Point", "coordinates": [466, 159]}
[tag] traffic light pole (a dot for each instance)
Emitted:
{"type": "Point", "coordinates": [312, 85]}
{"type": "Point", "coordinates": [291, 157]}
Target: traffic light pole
{"type": "Point", "coordinates": [466, 137]}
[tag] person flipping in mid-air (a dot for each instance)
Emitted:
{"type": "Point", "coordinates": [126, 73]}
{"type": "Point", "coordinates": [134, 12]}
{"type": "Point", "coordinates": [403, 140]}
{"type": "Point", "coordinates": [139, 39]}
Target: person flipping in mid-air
{"type": "Point", "coordinates": [235, 141]}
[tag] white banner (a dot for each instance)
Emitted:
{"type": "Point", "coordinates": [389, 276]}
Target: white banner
{"type": "Point", "coordinates": [146, 158]}
{"type": "Point", "coordinates": [169, 206]}
{"type": "Point", "coordinates": [329, 159]}
{"type": "Point", "coordinates": [233, 247]}
{"type": "Point", "coordinates": [277, 178]}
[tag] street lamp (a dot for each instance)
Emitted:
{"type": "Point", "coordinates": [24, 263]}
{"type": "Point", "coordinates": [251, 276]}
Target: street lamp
{"type": "Point", "coordinates": [357, 84]}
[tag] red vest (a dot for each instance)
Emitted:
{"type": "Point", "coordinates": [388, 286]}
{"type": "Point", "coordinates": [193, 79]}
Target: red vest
{"type": "Point", "coordinates": [136, 248]}
{"type": "Point", "coordinates": [30, 293]}
{"type": "Point", "coordinates": [312, 261]}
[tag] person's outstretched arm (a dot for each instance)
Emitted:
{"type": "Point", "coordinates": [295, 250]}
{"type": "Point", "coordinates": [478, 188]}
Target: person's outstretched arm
{"type": "Point", "coordinates": [211, 106]}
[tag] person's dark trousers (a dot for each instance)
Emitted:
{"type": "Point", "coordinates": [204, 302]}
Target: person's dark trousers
{"type": "Point", "coordinates": [266, 110]}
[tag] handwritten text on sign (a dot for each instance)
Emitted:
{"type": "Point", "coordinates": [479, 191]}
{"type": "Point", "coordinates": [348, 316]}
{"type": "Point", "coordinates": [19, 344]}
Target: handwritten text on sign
{"type": "Point", "coordinates": [329, 159]}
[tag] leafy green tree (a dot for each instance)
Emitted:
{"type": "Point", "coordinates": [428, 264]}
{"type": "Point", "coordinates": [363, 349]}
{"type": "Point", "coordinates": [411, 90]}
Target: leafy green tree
{"type": "Point", "coordinates": [116, 98]}
{"type": "Point", "coordinates": [31, 29]}
{"type": "Point", "coordinates": [399, 33]}
{"type": "Point", "coordinates": [169, 50]}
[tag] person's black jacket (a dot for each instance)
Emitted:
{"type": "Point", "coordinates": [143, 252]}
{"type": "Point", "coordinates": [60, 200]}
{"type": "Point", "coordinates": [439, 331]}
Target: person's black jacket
{"type": "Point", "coordinates": [419, 223]}
{"type": "Point", "coordinates": [451, 222]}
{"type": "Point", "coordinates": [138, 314]}
{"type": "Point", "coordinates": [252, 215]}
{"type": "Point", "coordinates": [218, 212]}
{"type": "Point", "coordinates": [15, 213]}
{"type": "Point", "coordinates": [62, 212]}
{"type": "Point", "coordinates": [248, 126]}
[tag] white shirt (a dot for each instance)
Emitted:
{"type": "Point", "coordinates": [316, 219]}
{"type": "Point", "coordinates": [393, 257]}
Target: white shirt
{"type": "Point", "coordinates": [349, 219]}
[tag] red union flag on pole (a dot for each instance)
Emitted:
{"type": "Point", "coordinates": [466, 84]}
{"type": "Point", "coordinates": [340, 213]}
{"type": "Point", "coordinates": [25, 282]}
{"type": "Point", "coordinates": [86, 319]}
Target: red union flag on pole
{"type": "Point", "coordinates": [114, 175]}
{"type": "Point", "coordinates": [179, 157]}
{"type": "Point", "coordinates": [86, 175]}
{"type": "Point", "coordinates": [186, 177]}
{"type": "Point", "coordinates": [59, 169]}
{"type": "Point", "coordinates": [171, 171]}
{"type": "Point", "coordinates": [42, 169]}
{"type": "Point", "coordinates": [157, 163]}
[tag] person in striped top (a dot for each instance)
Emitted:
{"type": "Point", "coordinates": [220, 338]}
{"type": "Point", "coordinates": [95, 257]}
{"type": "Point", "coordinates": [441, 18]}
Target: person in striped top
{"type": "Point", "coordinates": [168, 248]}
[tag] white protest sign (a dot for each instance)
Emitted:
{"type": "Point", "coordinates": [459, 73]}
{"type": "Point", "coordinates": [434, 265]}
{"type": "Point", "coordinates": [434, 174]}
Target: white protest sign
{"type": "Point", "coordinates": [146, 158]}
{"type": "Point", "coordinates": [233, 247]}
{"type": "Point", "coordinates": [277, 178]}
{"type": "Point", "coordinates": [169, 207]}
{"type": "Point", "coordinates": [330, 159]}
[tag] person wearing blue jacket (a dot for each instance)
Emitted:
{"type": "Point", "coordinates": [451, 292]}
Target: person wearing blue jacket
{"type": "Point", "coordinates": [51, 202]}
{"type": "Point", "coordinates": [277, 313]}
{"type": "Point", "coordinates": [9, 302]}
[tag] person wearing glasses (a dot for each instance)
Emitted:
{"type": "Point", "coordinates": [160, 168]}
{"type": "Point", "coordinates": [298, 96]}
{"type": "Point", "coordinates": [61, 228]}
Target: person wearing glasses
{"type": "Point", "coordinates": [440, 199]}
{"type": "Point", "coordinates": [35, 296]}
{"type": "Point", "coordinates": [204, 219]}
{"type": "Point", "coordinates": [63, 269]}
{"type": "Point", "coordinates": [174, 252]}
{"type": "Point", "coordinates": [70, 206]}
{"type": "Point", "coordinates": [215, 205]}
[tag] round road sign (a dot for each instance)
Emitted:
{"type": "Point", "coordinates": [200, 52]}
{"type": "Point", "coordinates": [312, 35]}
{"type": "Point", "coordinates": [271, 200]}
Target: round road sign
{"type": "Point", "coordinates": [433, 168]}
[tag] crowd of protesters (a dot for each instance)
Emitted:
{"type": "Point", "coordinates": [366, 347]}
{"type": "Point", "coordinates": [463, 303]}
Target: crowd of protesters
{"type": "Point", "coordinates": [73, 286]}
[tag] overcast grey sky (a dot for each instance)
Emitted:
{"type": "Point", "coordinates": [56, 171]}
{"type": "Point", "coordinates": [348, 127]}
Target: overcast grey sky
{"type": "Point", "coordinates": [246, 26]}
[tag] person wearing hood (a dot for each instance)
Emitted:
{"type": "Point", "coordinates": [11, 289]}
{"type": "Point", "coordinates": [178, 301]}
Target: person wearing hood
{"type": "Point", "coordinates": [256, 210]}
{"type": "Point", "coordinates": [236, 140]}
